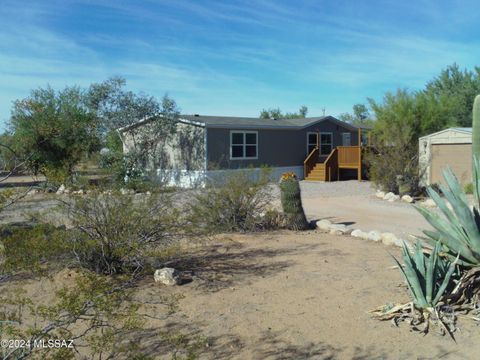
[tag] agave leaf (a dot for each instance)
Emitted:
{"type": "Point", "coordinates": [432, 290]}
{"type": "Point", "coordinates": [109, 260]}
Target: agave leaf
{"type": "Point", "coordinates": [464, 216]}
{"type": "Point", "coordinates": [476, 180]}
{"type": "Point", "coordinates": [413, 278]}
{"type": "Point", "coordinates": [431, 267]}
{"type": "Point", "coordinates": [446, 281]}
{"type": "Point", "coordinates": [419, 259]}
{"type": "Point", "coordinates": [449, 234]}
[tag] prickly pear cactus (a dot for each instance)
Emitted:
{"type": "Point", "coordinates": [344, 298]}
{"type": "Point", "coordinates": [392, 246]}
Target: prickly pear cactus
{"type": "Point", "coordinates": [292, 203]}
{"type": "Point", "coordinates": [476, 128]}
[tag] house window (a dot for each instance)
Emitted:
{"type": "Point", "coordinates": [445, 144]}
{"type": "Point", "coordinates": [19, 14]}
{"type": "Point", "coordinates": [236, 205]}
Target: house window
{"type": "Point", "coordinates": [243, 145]}
{"type": "Point", "coordinates": [346, 139]}
{"type": "Point", "coordinates": [311, 142]}
{"type": "Point", "coordinates": [325, 143]}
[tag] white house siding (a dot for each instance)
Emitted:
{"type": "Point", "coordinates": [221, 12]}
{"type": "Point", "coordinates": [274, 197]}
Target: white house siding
{"type": "Point", "coordinates": [180, 158]}
{"type": "Point", "coordinates": [427, 144]}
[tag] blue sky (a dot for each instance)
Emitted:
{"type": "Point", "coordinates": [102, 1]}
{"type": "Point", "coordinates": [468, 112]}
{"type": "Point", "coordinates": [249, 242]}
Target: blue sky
{"type": "Point", "coordinates": [235, 57]}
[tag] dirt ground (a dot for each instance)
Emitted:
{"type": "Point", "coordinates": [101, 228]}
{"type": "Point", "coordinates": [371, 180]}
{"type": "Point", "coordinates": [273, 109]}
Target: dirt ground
{"type": "Point", "coordinates": [293, 295]}
{"type": "Point", "coordinates": [286, 295]}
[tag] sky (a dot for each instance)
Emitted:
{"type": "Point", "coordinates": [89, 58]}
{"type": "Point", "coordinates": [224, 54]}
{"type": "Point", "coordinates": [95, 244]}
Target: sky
{"type": "Point", "coordinates": [234, 58]}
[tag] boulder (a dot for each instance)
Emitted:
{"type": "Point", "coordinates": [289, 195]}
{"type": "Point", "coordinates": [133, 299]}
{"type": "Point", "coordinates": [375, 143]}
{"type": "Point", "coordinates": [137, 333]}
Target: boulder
{"type": "Point", "coordinates": [324, 225]}
{"type": "Point", "coordinates": [429, 203]}
{"type": "Point", "coordinates": [61, 190]}
{"type": "Point", "coordinates": [167, 276]}
{"type": "Point", "coordinates": [407, 199]}
{"type": "Point", "coordinates": [380, 194]}
{"type": "Point", "coordinates": [374, 236]}
{"type": "Point", "coordinates": [123, 191]}
{"type": "Point", "coordinates": [389, 239]}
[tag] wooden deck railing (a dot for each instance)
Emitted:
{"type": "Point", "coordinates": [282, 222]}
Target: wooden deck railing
{"type": "Point", "coordinates": [331, 166]}
{"type": "Point", "coordinates": [310, 162]}
{"type": "Point", "coordinates": [349, 156]}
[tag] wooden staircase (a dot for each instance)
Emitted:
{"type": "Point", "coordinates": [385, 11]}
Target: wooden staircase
{"type": "Point", "coordinates": [318, 173]}
{"type": "Point", "coordinates": [342, 157]}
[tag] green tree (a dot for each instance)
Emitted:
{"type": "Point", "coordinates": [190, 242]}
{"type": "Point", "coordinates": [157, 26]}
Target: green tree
{"type": "Point", "coordinates": [359, 116]}
{"type": "Point", "coordinates": [451, 93]}
{"type": "Point", "coordinates": [55, 129]}
{"type": "Point", "coordinates": [394, 165]}
{"type": "Point", "coordinates": [276, 113]}
{"type": "Point", "coordinates": [116, 107]}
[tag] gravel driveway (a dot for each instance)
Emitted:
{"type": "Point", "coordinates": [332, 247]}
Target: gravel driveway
{"type": "Point", "coordinates": [354, 203]}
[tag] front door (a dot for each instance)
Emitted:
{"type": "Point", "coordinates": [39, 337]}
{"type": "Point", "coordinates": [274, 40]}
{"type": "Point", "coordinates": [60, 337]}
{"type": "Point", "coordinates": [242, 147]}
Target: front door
{"type": "Point", "coordinates": [346, 139]}
{"type": "Point", "coordinates": [312, 141]}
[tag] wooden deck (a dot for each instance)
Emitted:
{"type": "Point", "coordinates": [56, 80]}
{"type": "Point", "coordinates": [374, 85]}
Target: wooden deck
{"type": "Point", "coordinates": [342, 157]}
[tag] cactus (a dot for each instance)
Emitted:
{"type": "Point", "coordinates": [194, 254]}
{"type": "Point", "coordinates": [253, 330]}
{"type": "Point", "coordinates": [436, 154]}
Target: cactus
{"type": "Point", "coordinates": [476, 128]}
{"type": "Point", "coordinates": [292, 203]}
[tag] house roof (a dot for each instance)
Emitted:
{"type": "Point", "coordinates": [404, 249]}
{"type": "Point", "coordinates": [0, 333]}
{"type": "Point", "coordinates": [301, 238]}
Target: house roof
{"type": "Point", "coordinates": [249, 122]}
{"type": "Point", "coordinates": [464, 130]}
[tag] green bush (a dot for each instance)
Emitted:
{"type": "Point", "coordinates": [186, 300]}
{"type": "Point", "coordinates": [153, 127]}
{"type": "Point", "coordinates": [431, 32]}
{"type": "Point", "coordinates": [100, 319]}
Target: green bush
{"type": "Point", "coordinates": [238, 203]}
{"type": "Point", "coordinates": [33, 248]}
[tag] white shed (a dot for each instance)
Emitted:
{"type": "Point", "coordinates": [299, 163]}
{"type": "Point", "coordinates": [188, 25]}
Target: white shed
{"type": "Point", "coordinates": [450, 147]}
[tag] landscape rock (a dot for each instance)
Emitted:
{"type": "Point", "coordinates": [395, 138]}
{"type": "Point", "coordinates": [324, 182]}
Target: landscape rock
{"type": "Point", "coordinates": [123, 191]}
{"type": "Point", "coordinates": [407, 199]}
{"type": "Point", "coordinates": [32, 192]}
{"type": "Point", "coordinates": [429, 203]}
{"type": "Point", "coordinates": [394, 198]}
{"type": "Point", "coordinates": [388, 239]}
{"type": "Point", "coordinates": [389, 195]}
{"type": "Point", "coordinates": [359, 234]}
{"type": "Point", "coordinates": [324, 225]}
{"type": "Point", "coordinates": [339, 229]}
{"type": "Point", "coordinates": [60, 190]}
{"type": "Point", "coordinates": [167, 276]}
{"type": "Point", "coordinates": [374, 236]}
{"type": "Point", "coordinates": [380, 194]}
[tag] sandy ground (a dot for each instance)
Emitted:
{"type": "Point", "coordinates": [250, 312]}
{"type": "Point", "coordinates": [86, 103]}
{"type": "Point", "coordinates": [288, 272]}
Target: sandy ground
{"type": "Point", "coordinates": [302, 296]}
{"type": "Point", "coordinates": [286, 295]}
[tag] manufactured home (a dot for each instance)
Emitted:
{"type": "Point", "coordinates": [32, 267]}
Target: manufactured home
{"type": "Point", "coordinates": [205, 147]}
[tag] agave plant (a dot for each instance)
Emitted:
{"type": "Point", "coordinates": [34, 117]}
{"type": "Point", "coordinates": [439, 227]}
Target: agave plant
{"type": "Point", "coordinates": [427, 277]}
{"type": "Point", "coordinates": [457, 227]}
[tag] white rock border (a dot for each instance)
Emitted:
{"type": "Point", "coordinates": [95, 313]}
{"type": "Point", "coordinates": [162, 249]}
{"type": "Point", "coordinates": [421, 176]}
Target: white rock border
{"type": "Point", "coordinates": [386, 238]}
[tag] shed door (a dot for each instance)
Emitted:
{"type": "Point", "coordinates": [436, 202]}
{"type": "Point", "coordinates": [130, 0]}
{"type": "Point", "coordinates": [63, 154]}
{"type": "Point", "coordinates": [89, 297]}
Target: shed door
{"type": "Point", "coordinates": [457, 156]}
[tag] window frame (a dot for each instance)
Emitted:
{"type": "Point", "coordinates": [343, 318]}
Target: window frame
{"type": "Point", "coordinates": [321, 143]}
{"type": "Point", "coordinates": [244, 144]}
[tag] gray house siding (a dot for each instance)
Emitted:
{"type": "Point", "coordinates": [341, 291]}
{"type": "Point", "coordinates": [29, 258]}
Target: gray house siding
{"type": "Point", "coordinates": [276, 147]}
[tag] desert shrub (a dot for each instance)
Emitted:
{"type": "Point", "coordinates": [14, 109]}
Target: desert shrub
{"type": "Point", "coordinates": [31, 248]}
{"type": "Point", "coordinates": [292, 202]}
{"type": "Point", "coordinates": [237, 203]}
{"type": "Point", "coordinates": [94, 310]}
{"type": "Point", "coordinates": [114, 233]}
{"type": "Point", "coordinates": [468, 188]}
{"type": "Point", "coordinates": [393, 169]}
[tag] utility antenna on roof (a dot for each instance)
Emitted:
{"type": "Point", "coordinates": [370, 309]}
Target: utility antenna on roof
{"type": "Point", "coordinates": [323, 110]}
